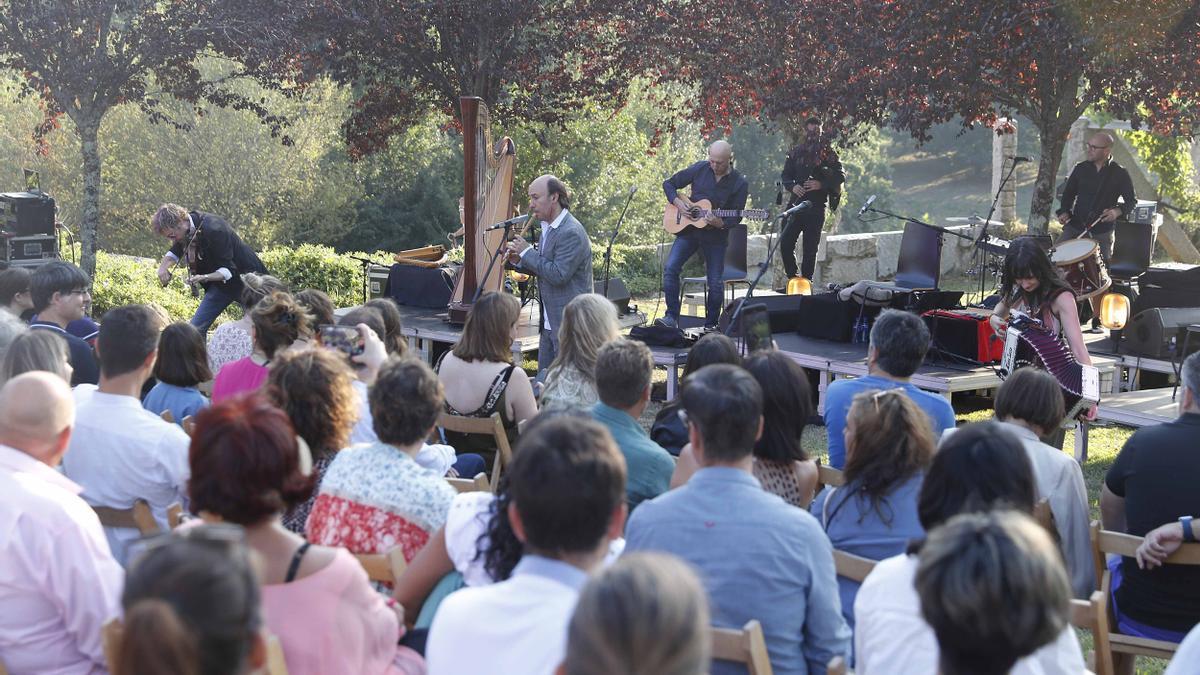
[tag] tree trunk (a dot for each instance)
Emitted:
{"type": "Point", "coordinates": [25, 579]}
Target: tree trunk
{"type": "Point", "coordinates": [88, 128]}
{"type": "Point", "coordinates": [1054, 140]}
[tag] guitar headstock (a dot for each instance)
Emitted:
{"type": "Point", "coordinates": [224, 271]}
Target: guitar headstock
{"type": "Point", "coordinates": [756, 214]}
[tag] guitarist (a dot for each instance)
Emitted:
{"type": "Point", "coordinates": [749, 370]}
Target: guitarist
{"type": "Point", "coordinates": [216, 258]}
{"type": "Point", "coordinates": [813, 172]}
{"type": "Point", "coordinates": [717, 181]}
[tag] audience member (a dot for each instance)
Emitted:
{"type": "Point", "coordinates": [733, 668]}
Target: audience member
{"type": "Point", "coordinates": [393, 323]}
{"type": "Point", "coordinates": [60, 292]}
{"type": "Point", "coordinates": [368, 315]}
{"type": "Point", "coordinates": [760, 558]}
{"type": "Point", "coordinates": [37, 350]}
{"type": "Point", "coordinates": [182, 365]}
{"type": "Point", "coordinates": [993, 588]}
{"type": "Point", "coordinates": [479, 375]}
{"type": "Point", "coordinates": [247, 469]}
{"type": "Point", "coordinates": [899, 341]}
{"type": "Point", "coordinates": [14, 291]}
{"type": "Point", "coordinates": [278, 322]}
{"type": "Point", "coordinates": [874, 515]}
{"type": "Point", "coordinates": [122, 452]}
{"type": "Point", "coordinates": [319, 304]}
{"type": "Point", "coordinates": [980, 468]}
{"type": "Point", "coordinates": [645, 615]}
{"type": "Point", "coordinates": [58, 582]}
{"type": "Point", "coordinates": [192, 606]}
{"type": "Point", "coordinates": [568, 502]}
{"type": "Point", "coordinates": [668, 429]}
{"type": "Point", "coordinates": [1186, 661]}
{"type": "Point", "coordinates": [10, 328]}
{"type": "Point", "coordinates": [314, 387]}
{"type": "Point", "coordinates": [589, 321]}
{"type": "Point", "coordinates": [1154, 481]}
{"type": "Point", "coordinates": [1030, 405]}
{"type": "Point", "coordinates": [376, 497]}
{"type": "Point", "coordinates": [231, 340]}
{"type": "Point", "coordinates": [623, 371]}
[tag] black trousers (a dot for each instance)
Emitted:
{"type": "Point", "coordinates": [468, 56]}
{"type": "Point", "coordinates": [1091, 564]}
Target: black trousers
{"type": "Point", "coordinates": [808, 223]}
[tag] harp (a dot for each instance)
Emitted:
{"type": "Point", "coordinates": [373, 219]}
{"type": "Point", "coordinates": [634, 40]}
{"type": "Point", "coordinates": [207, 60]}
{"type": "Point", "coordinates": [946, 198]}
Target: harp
{"type": "Point", "coordinates": [487, 198]}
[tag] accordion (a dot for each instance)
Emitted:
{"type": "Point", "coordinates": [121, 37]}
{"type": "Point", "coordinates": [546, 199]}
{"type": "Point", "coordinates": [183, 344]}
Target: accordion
{"type": "Point", "coordinates": [1028, 343]}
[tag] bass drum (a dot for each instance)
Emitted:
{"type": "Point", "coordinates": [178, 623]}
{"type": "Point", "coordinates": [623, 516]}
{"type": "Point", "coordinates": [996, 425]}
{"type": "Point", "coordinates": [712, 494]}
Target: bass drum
{"type": "Point", "coordinates": [1081, 265]}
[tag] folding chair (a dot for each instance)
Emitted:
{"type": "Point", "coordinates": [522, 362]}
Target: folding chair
{"type": "Point", "coordinates": [1123, 648]}
{"type": "Point", "coordinates": [1090, 615]}
{"type": "Point", "coordinates": [383, 567]}
{"type": "Point", "coordinates": [853, 567]}
{"type": "Point", "coordinates": [482, 426]}
{"type": "Point", "coordinates": [746, 645]}
{"type": "Point", "coordinates": [138, 517]}
{"type": "Point", "coordinates": [735, 268]}
{"type": "Point", "coordinates": [477, 484]}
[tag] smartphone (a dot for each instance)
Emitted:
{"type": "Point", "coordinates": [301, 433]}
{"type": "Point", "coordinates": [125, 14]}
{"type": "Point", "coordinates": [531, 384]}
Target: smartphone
{"type": "Point", "coordinates": [756, 328]}
{"type": "Point", "coordinates": [345, 339]}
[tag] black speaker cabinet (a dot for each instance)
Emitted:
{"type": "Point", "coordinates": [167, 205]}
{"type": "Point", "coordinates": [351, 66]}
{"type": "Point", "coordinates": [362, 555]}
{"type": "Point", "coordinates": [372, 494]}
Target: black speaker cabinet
{"type": "Point", "coordinates": [783, 312]}
{"type": "Point", "coordinates": [617, 292]}
{"type": "Point", "coordinates": [1159, 333]}
{"type": "Point", "coordinates": [26, 213]}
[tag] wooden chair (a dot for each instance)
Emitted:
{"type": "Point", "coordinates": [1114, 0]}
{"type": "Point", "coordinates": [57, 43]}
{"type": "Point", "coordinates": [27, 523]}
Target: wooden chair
{"type": "Point", "coordinates": [1088, 615]}
{"type": "Point", "coordinates": [138, 517]}
{"type": "Point", "coordinates": [1122, 648]}
{"type": "Point", "coordinates": [276, 665]}
{"type": "Point", "coordinates": [167, 416]}
{"type": "Point", "coordinates": [482, 426]}
{"type": "Point", "coordinates": [827, 475]}
{"type": "Point", "coordinates": [837, 666]}
{"type": "Point", "coordinates": [175, 515]}
{"type": "Point", "coordinates": [477, 484]}
{"type": "Point", "coordinates": [188, 424]}
{"type": "Point", "coordinates": [383, 567]}
{"type": "Point", "coordinates": [853, 567]}
{"type": "Point", "coordinates": [746, 645]}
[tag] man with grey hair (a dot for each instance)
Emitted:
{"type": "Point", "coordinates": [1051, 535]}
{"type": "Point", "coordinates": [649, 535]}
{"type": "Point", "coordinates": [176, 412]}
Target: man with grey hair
{"type": "Point", "coordinates": [1153, 481]}
{"type": "Point", "coordinates": [59, 584]}
{"type": "Point", "coordinates": [899, 341]}
{"type": "Point", "coordinates": [716, 180]}
{"type": "Point", "coordinates": [1089, 205]}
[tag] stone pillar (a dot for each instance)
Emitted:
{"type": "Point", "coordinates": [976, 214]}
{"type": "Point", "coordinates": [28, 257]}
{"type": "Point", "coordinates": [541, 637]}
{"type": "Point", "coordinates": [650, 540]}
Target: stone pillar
{"type": "Point", "coordinates": [1075, 152]}
{"type": "Point", "coordinates": [1004, 145]}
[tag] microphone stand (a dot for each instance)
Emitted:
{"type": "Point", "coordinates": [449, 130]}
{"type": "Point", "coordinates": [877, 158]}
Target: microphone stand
{"type": "Point", "coordinates": [907, 219]}
{"type": "Point", "coordinates": [366, 271]}
{"type": "Point", "coordinates": [772, 246]}
{"type": "Point", "coordinates": [612, 238]}
{"type": "Point", "coordinates": [491, 263]}
{"type": "Point", "coordinates": [980, 253]}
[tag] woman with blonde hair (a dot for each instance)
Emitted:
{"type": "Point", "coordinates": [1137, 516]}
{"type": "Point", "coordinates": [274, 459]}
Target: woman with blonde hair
{"type": "Point", "coordinates": [589, 321]}
{"type": "Point", "coordinates": [647, 614]}
{"type": "Point", "coordinates": [36, 350]}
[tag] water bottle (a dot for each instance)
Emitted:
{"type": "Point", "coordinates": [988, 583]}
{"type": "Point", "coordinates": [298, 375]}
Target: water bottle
{"type": "Point", "coordinates": [860, 330]}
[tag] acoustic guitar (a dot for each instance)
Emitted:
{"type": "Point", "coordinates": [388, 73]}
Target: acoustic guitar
{"type": "Point", "coordinates": [675, 220]}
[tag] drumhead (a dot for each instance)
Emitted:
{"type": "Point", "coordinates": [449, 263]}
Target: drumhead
{"type": "Point", "coordinates": [1066, 252]}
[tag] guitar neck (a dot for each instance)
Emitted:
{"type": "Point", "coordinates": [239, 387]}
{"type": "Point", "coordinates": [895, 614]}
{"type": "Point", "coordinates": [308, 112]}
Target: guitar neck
{"type": "Point", "coordinates": [725, 213]}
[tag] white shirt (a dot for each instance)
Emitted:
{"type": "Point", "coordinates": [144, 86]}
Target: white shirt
{"type": "Point", "coordinates": [433, 456]}
{"type": "Point", "coordinates": [548, 226]}
{"type": "Point", "coordinates": [515, 627]}
{"type": "Point", "coordinates": [892, 638]}
{"type": "Point", "coordinates": [1187, 660]}
{"type": "Point", "coordinates": [120, 452]}
{"type": "Point", "coordinates": [58, 582]}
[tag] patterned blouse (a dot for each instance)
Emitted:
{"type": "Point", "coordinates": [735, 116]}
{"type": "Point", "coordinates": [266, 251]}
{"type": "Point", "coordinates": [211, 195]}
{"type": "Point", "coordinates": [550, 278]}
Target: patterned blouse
{"type": "Point", "coordinates": [568, 387]}
{"type": "Point", "coordinates": [297, 516]}
{"type": "Point", "coordinates": [228, 343]}
{"type": "Point", "coordinates": [374, 498]}
{"type": "Point", "coordinates": [783, 479]}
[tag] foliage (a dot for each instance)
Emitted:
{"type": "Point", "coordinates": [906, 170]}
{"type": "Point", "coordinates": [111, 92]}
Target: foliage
{"type": "Point", "coordinates": [124, 280]}
{"type": "Point", "coordinates": [320, 267]}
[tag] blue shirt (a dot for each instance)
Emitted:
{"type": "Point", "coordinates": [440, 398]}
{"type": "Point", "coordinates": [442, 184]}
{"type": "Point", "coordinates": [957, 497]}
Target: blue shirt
{"type": "Point", "coordinates": [758, 557]}
{"type": "Point", "coordinates": [730, 192]}
{"type": "Point", "coordinates": [648, 467]}
{"type": "Point", "coordinates": [841, 393]}
{"type": "Point", "coordinates": [856, 527]}
{"type": "Point", "coordinates": [181, 401]}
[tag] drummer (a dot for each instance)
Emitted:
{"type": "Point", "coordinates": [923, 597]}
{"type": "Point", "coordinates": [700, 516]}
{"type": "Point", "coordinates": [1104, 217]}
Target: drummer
{"type": "Point", "coordinates": [1090, 204]}
{"type": "Point", "coordinates": [1030, 283]}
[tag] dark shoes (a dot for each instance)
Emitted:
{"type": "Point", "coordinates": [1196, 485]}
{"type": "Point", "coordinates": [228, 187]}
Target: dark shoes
{"type": "Point", "coordinates": [667, 320]}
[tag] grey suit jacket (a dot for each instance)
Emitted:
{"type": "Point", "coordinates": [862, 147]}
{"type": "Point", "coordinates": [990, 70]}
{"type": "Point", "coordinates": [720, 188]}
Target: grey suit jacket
{"type": "Point", "coordinates": [563, 269]}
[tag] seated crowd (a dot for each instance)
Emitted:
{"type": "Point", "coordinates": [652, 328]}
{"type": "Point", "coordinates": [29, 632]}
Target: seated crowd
{"type": "Point", "coordinates": [607, 545]}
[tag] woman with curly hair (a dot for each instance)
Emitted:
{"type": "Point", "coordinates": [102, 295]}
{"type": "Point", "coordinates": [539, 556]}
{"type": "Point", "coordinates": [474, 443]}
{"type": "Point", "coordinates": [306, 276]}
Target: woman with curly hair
{"type": "Point", "coordinates": [589, 321]}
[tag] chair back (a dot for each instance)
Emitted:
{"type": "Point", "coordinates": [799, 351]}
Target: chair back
{"type": "Point", "coordinates": [188, 424]}
{"type": "Point", "coordinates": [174, 515]}
{"type": "Point", "coordinates": [746, 645]}
{"type": "Point", "coordinates": [1133, 247]}
{"type": "Point", "coordinates": [477, 484]}
{"type": "Point", "coordinates": [853, 567]}
{"type": "Point", "coordinates": [167, 416]}
{"type": "Point", "coordinates": [1089, 615]}
{"type": "Point", "coordinates": [383, 567]}
{"type": "Point", "coordinates": [482, 426]}
{"type": "Point", "coordinates": [138, 517]}
{"type": "Point", "coordinates": [735, 253]}
{"type": "Point", "coordinates": [276, 665]}
{"type": "Point", "coordinates": [829, 476]}
{"type": "Point", "coordinates": [837, 666]}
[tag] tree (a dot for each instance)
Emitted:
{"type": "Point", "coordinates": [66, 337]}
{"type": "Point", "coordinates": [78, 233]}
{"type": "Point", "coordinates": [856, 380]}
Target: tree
{"type": "Point", "coordinates": [918, 63]}
{"type": "Point", "coordinates": [87, 57]}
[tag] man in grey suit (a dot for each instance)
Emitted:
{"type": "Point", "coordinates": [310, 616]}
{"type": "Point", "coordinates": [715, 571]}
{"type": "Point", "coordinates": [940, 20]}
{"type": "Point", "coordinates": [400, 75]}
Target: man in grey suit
{"type": "Point", "coordinates": [562, 261]}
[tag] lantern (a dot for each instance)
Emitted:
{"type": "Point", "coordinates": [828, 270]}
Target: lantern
{"type": "Point", "coordinates": [1114, 311]}
{"type": "Point", "coordinates": [798, 285]}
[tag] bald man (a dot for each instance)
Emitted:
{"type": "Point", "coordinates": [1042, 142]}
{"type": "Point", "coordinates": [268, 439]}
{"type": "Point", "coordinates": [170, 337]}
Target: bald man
{"type": "Point", "coordinates": [1090, 204]}
{"type": "Point", "coordinates": [59, 583]}
{"type": "Point", "coordinates": [562, 260]}
{"type": "Point", "coordinates": [716, 180]}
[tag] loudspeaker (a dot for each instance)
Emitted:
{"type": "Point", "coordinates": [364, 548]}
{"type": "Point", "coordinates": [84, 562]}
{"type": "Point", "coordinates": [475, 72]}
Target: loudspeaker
{"type": "Point", "coordinates": [965, 335]}
{"type": "Point", "coordinates": [1160, 333]}
{"type": "Point", "coordinates": [827, 317]}
{"type": "Point", "coordinates": [1166, 287]}
{"type": "Point", "coordinates": [25, 213]}
{"type": "Point", "coordinates": [617, 292]}
{"type": "Point", "coordinates": [783, 312]}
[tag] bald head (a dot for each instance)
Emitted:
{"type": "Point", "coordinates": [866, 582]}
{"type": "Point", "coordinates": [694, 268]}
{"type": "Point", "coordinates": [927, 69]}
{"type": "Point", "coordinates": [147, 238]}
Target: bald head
{"type": "Point", "coordinates": [720, 157]}
{"type": "Point", "coordinates": [1099, 147]}
{"type": "Point", "coordinates": [36, 415]}
{"type": "Point", "coordinates": [548, 197]}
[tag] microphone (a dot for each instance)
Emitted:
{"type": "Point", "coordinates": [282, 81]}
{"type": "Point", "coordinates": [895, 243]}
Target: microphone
{"type": "Point", "coordinates": [799, 207]}
{"type": "Point", "coordinates": [867, 205]}
{"type": "Point", "coordinates": [1019, 158]}
{"type": "Point", "coordinates": [632, 190]}
{"type": "Point", "coordinates": [511, 221]}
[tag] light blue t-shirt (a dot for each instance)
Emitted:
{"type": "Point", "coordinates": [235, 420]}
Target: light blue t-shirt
{"type": "Point", "coordinates": [841, 393]}
{"type": "Point", "coordinates": [181, 401]}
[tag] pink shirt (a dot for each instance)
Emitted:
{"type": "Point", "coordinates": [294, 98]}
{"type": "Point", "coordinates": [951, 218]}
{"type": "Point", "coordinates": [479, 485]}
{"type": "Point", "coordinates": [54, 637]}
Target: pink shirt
{"type": "Point", "coordinates": [58, 582]}
{"type": "Point", "coordinates": [238, 376]}
{"type": "Point", "coordinates": [332, 621]}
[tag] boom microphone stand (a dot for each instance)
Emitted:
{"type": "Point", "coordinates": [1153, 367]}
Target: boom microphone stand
{"type": "Point", "coordinates": [613, 237]}
{"type": "Point", "coordinates": [492, 263]}
{"type": "Point", "coordinates": [980, 253]}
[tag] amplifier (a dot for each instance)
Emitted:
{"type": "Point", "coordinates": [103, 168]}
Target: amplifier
{"type": "Point", "coordinates": [26, 213]}
{"type": "Point", "coordinates": [1159, 333]}
{"type": "Point", "coordinates": [377, 278]}
{"type": "Point", "coordinates": [617, 292]}
{"type": "Point", "coordinates": [1143, 213]}
{"type": "Point", "coordinates": [36, 247]}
